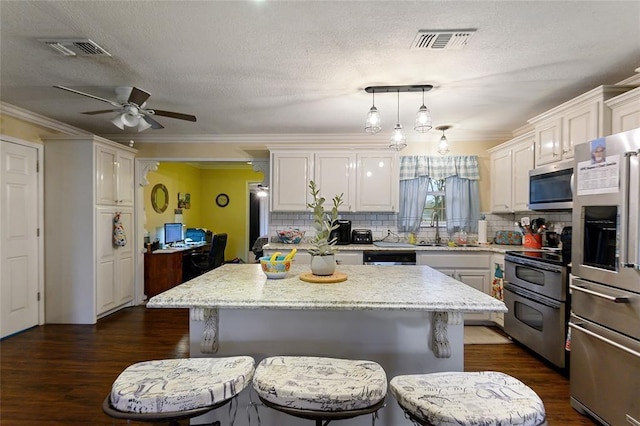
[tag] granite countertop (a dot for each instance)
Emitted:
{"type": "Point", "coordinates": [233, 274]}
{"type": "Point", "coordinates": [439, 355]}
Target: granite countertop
{"type": "Point", "coordinates": [494, 248]}
{"type": "Point", "coordinates": [412, 288]}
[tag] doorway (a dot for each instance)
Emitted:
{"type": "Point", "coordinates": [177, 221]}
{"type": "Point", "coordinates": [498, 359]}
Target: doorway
{"type": "Point", "coordinates": [20, 246]}
{"type": "Point", "coordinates": [258, 218]}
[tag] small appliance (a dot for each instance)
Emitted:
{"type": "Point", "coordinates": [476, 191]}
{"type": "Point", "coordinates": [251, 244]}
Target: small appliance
{"type": "Point", "coordinates": [550, 187]}
{"type": "Point", "coordinates": [342, 233]}
{"type": "Point", "coordinates": [361, 236]}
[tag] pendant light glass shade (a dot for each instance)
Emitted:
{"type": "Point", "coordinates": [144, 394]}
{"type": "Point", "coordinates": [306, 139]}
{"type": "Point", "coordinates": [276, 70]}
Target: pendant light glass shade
{"type": "Point", "coordinates": [423, 120]}
{"type": "Point", "coordinates": [443, 146]}
{"type": "Point", "coordinates": [372, 125]}
{"type": "Point", "coordinates": [398, 140]}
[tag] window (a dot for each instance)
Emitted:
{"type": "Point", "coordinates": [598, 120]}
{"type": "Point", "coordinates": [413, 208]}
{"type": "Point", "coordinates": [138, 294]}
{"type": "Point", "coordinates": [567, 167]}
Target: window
{"type": "Point", "coordinates": [434, 203]}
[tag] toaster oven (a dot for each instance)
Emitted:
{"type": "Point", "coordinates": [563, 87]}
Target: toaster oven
{"type": "Point", "coordinates": [361, 236]}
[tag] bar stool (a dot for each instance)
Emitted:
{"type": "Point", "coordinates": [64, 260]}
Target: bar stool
{"type": "Point", "coordinates": [321, 389]}
{"type": "Point", "coordinates": [170, 390]}
{"type": "Point", "coordinates": [457, 398]}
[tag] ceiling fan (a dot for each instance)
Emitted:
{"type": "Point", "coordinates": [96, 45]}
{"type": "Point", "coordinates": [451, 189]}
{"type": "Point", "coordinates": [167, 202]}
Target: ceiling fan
{"type": "Point", "coordinates": [131, 108]}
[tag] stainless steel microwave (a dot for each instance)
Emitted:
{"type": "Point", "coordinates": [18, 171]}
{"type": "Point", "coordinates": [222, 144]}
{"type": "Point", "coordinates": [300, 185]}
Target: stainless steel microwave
{"type": "Point", "coordinates": [551, 187]}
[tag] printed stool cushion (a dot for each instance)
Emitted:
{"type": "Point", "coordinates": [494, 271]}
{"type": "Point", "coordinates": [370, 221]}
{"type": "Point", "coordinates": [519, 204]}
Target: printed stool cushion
{"type": "Point", "coordinates": [180, 384]}
{"type": "Point", "coordinates": [484, 399]}
{"type": "Point", "coordinates": [320, 384]}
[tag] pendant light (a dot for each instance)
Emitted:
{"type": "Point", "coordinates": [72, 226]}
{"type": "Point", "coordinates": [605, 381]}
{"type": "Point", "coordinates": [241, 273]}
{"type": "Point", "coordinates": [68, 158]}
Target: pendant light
{"type": "Point", "coordinates": [398, 140]}
{"type": "Point", "coordinates": [423, 120]}
{"type": "Point", "coordinates": [372, 125]}
{"type": "Point", "coordinates": [443, 146]}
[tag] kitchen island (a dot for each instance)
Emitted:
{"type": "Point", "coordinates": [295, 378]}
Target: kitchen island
{"type": "Point", "coordinates": [407, 318]}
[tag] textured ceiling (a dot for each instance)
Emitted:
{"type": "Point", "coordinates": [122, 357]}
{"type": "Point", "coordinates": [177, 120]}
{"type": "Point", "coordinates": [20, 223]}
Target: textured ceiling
{"type": "Point", "coordinates": [300, 67]}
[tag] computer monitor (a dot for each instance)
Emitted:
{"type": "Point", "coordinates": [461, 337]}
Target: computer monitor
{"type": "Point", "coordinates": [172, 233]}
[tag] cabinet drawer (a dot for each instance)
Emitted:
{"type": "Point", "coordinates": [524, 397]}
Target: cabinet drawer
{"type": "Point", "coordinates": [455, 261]}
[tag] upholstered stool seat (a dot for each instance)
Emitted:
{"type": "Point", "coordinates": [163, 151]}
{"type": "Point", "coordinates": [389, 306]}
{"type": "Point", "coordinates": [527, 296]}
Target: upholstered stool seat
{"type": "Point", "coordinates": [486, 398]}
{"type": "Point", "coordinates": [320, 389]}
{"type": "Point", "coordinates": [173, 389]}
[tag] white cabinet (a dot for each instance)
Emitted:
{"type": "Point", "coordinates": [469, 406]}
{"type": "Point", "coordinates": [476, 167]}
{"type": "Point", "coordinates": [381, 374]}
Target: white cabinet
{"type": "Point", "coordinates": [469, 268]}
{"type": "Point", "coordinates": [335, 174]}
{"type": "Point", "coordinates": [378, 182]}
{"type": "Point", "coordinates": [579, 120]}
{"type": "Point", "coordinates": [625, 111]}
{"type": "Point", "coordinates": [290, 176]}
{"type": "Point", "coordinates": [114, 176]}
{"type": "Point", "coordinates": [510, 165]}
{"type": "Point", "coordinates": [88, 180]}
{"type": "Point", "coordinates": [369, 180]}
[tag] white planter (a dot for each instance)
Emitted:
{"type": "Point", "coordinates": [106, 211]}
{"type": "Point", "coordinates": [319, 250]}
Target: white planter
{"type": "Point", "coordinates": [323, 265]}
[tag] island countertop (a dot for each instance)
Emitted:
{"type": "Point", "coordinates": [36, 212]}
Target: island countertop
{"type": "Point", "coordinates": [368, 287]}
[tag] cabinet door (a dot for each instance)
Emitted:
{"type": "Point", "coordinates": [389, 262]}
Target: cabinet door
{"type": "Point", "coordinates": [548, 136]}
{"type": "Point", "coordinates": [480, 279]}
{"type": "Point", "coordinates": [290, 175]}
{"type": "Point", "coordinates": [377, 183]}
{"type": "Point", "coordinates": [335, 175]}
{"type": "Point", "coordinates": [522, 162]}
{"type": "Point", "coordinates": [579, 126]}
{"type": "Point", "coordinates": [626, 116]}
{"type": "Point", "coordinates": [501, 181]}
{"type": "Point", "coordinates": [106, 180]}
{"type": "Point", "coordinates": [106, 289]}
{"type": "Point", "coordinates": [349, 258]}
{"type": "Point", "coordinates": [125, 180]}
{"type": "Point", "coordinates": [125, 262]}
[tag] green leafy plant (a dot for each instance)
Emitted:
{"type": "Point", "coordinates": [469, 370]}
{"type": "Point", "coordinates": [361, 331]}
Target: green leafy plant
{"type": "Point", "coordinates": [323, 222]}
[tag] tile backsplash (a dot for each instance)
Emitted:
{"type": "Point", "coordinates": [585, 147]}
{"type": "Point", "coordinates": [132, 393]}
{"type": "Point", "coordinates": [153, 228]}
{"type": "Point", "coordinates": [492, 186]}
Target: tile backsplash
{"type": "Point", "coordinates": [379, 223]}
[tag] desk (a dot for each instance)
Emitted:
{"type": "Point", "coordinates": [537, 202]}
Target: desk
{"type": "Point", "coordinates": [409, 319]}
{"type": "Point", "coordinates": [165, 268]}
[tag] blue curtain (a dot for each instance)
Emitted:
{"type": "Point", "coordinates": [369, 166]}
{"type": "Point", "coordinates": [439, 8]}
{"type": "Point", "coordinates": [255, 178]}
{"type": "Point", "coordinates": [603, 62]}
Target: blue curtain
{"type": "Point", "coordinates": [462, 204]}
{"type": "Point", "coordinates": [413, 195]}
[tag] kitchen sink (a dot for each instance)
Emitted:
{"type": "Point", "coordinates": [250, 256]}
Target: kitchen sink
{"type": "Point", "coordinates": [431, 245]}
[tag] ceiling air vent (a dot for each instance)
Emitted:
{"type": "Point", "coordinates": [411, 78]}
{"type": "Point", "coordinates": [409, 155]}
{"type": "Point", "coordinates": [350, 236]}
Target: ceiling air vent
{"type": "Point", "coordinates": [75, 46]}
{"type": "Point", "coordinates": [442, 39]}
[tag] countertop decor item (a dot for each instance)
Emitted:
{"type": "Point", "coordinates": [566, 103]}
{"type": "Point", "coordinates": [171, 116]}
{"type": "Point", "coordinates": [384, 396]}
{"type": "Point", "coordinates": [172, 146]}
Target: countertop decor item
{"type": "Point", "coordinates": [336, 277]}
{"type": "Point", "coordinates": [291, 236]}
{"type": "Point", "coordinates": [323, 223]}
{"type": "Point", "coordinates": [275, 266]}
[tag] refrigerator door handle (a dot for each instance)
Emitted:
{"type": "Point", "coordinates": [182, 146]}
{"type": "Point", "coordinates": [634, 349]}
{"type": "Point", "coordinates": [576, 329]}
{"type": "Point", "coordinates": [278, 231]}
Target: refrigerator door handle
{"type": "Point", "coordinates": [630, 206]}
{"type": "Point", "coordinates": [616, 345]}
{"type": "Point", "coordinates": [615, 299]}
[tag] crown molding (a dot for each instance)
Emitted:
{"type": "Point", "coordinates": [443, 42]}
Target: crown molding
{"type": "Point", "coordinates": [40, 120]}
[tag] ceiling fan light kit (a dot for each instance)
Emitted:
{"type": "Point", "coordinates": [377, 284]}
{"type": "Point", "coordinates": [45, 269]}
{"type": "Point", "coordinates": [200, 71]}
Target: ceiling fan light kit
{"type": "Point", "coordinates": [423, 122]}
{"type": "Point", "coordinates": [131, 108]}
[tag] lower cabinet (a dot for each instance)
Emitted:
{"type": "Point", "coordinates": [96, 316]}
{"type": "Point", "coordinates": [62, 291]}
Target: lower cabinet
{"type": "Point", "coordinates": [115, 265]}
{"type": "Point", "coordinates": [497, 260]}
{"type": "Point", "coordinates": [472, 269]}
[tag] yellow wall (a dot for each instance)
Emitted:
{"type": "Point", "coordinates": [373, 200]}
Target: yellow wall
{"type": "Point", "coordinates": [20, 129]}
{"type": "Point", "coordinates": [204, 185]}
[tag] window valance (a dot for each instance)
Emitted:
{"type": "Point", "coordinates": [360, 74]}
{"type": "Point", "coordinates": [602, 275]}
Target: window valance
{"type": "Point", "coordinates": [462, 166]}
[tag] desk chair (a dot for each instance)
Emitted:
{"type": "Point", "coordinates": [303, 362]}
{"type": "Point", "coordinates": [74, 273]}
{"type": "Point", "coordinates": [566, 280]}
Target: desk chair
{"type": "Point", "coordinates": [215, 258]}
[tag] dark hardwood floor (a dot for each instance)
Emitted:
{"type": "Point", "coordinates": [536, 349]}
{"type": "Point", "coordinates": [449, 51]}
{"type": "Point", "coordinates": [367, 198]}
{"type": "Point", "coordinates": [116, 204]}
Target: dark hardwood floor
{"type": "Point", "coordinates": [59, 374]}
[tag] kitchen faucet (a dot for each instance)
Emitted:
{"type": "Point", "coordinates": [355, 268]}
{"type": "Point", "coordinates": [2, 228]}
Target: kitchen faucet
{"type": "Point", "coordinates": [435, 220]}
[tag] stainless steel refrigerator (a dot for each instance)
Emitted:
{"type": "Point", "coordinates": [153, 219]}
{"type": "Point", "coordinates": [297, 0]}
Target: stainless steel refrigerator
{"type": "Point", "coordinates": [605, 320]}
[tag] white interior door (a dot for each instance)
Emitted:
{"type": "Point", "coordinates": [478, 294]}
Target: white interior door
{"type": "Point", "coordinates": [19, 263]}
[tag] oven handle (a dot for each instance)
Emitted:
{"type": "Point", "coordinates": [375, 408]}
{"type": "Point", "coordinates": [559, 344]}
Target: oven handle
{"type": "Point", "coordinates": [529, 295]}
{"type": "Point", "coordinates": [604, 339]}
{"type": "Point", "coordinates": [613, 299]}
{"type": "Point", "coordinates": [533, 263]}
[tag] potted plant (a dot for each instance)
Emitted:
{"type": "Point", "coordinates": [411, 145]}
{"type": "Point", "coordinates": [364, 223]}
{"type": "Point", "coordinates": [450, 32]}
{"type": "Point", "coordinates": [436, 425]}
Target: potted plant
{"type": "Point", "coordinates": [323, 260]}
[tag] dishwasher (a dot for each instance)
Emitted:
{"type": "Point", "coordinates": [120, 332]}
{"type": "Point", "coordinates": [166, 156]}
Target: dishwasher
{"type": "Point", "coordinates": [389, 258]}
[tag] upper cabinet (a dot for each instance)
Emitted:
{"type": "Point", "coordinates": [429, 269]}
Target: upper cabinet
{"type": "Point", "coordinates": [579, 120]}
{"type": "Point", "coordinates": [368, 180]}
{"type": "Point", "coordinates": [114, 176]}
{"type": "Point", "coordinates": [625, 111]}
{"type": "Point", "coordinates": [510, 165]}
{"type": "Point", "coordinates": [290, 176]}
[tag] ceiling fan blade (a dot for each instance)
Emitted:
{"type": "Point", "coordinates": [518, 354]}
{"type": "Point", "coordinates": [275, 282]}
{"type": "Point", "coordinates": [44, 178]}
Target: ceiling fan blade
{"type": "Point", "coordinates": [115, 104]}
{"type": "Point", "coordinates": [138, 96]}
{"type": "Point", "coordinates": [154, 123]}
{"type": "Point", "coordinates": [177, 115]}
{"type": "Point", "coordinates": [100, 112]}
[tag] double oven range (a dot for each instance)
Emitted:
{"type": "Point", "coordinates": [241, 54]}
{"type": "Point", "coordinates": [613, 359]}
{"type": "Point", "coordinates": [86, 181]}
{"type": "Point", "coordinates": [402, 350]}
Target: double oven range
{"type": "Point", "coordinates": [536, 293]}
